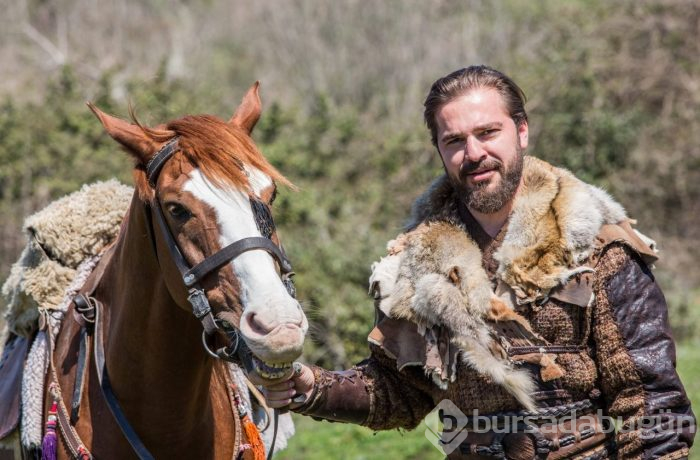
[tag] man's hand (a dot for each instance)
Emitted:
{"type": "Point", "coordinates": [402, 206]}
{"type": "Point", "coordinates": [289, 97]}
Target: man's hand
{"type": "Point", "coordinates": [297, 386]}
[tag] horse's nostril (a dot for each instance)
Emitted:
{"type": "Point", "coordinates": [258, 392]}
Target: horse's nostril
{"type": "Point", "coordinates": [255, 325]}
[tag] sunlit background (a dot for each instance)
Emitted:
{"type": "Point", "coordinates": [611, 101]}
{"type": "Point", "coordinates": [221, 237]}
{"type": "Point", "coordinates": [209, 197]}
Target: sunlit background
{"type": "Point", "coordinates": [613, 88]}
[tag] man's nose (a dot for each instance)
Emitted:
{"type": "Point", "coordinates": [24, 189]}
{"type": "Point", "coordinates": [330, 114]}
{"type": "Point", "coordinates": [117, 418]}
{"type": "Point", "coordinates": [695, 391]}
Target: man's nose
{"type": "Point", "coordinates": [474, 150]}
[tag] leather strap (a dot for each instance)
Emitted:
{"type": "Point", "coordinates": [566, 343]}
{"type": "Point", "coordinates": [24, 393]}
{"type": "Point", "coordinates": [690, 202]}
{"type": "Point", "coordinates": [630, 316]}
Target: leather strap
{"type": "Point", "coordinates": [83, 359]}
{"type": "Point", "coordinates": [112, 401]}
{"type": "Point", "coordinates": [197, 298]}
{"type": "Point", "coordinates": [73, 442]}
{"type": "Point", "coordinates": [230, 252]}
{"type": "Point", "coordinates": [173, 248]}
{"type": "Point", "coordinates": [159, 159]}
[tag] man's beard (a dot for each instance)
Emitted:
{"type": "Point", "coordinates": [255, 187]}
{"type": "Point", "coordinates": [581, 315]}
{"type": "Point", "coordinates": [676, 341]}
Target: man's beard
{"type": "Point", "coordinates": [477, 197]}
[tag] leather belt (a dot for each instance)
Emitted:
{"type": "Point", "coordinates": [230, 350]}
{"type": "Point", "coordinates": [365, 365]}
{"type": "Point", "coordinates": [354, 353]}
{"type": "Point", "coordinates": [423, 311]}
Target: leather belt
{"type": "Point", "coordinates": [531, 436]}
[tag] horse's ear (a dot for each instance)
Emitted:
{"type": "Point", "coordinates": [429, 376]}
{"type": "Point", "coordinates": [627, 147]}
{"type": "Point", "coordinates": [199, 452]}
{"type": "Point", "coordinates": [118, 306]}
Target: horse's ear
{"type": "Point", "coordinates": [131, 136]}
{"type": "Point", "coordinates": [248, 113]}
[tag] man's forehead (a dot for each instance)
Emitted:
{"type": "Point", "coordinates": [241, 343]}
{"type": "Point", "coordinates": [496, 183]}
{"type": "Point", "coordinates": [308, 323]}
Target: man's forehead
{"type": "Point", "coordinates": [477, 106]}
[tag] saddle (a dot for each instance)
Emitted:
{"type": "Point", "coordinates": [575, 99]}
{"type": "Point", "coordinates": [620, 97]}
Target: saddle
{"type": "Point", "coordinates": [60, 237]}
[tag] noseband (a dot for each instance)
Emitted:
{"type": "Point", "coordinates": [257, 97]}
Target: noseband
{"type": "Point", "coordinates": [191, 276]}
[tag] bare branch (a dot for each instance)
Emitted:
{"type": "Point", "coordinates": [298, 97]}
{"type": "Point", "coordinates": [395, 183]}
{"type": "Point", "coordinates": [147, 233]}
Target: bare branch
{"type": "Point", "coordinates": [57, 56]}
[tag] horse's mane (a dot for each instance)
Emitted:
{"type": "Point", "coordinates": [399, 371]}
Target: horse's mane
{"type": "Point", "coordinates": [218, 148]}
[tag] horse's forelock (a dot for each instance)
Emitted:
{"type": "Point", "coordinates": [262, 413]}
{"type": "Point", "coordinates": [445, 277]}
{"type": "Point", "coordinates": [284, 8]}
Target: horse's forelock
{"type": "Point", "coordinates": [221, 150]}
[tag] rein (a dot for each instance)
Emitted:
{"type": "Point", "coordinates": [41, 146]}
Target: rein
{"type": "Point", "coordinates": [89, 315]}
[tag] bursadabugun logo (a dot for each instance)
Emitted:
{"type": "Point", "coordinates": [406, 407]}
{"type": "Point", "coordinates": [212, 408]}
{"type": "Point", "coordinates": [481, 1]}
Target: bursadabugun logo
{"type": "Point", "coordinates": [446, 427]}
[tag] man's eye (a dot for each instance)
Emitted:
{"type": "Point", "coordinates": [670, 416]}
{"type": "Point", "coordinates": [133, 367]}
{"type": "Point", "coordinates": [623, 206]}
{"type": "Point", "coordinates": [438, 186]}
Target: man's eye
{"type": "Point", "coordinates": [178, 211]}
{"type": "Point", "coordinates": [452, 141]}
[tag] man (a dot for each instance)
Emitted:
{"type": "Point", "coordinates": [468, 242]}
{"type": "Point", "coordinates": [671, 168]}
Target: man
{"type": "Point", "coordinates": [560, 253]}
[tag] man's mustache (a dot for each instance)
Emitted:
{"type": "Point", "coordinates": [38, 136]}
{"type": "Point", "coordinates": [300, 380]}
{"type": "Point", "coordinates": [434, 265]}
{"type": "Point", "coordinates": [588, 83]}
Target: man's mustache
{"type": "Point", "coordinates": [470, 167]}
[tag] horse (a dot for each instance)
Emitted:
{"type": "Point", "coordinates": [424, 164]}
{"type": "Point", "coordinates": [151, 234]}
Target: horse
{"type": "Point", "coordinates": [198, 237]}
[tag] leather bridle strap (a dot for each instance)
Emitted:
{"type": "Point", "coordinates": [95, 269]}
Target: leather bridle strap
{"type": "Point", "coordinates": [230, 252]}
{"type": "Point", "coordinates": [158, 161]}
{"type": "Point", "coordinates": [110, 398]}
{"type": "Point", "coordinates": [192, 276]}
{"type": "Point", "coordinates": [196, 297]}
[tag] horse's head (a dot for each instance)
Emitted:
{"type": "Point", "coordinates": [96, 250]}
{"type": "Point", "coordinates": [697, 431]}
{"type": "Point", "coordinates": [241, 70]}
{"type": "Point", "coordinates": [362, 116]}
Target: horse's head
{"type": "Point", "coordinates": [210, 190]}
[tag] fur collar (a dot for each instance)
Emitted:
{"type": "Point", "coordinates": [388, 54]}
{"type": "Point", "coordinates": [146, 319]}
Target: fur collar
{"type": "Point", "coordinates": [551, 230]}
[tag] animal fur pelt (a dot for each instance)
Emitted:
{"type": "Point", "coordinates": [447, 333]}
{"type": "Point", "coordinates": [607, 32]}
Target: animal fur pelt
{"type": "Point", "coordinates": [60, 237]}
{"type": "Point", "coordinates": [440, 282]}
{"type": "Point", "coordinates": [551, 229]}
{"type": "Point", "coordinates": [433, 275]}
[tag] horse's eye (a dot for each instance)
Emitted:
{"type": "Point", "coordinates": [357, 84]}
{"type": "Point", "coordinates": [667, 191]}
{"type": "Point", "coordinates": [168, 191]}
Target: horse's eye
{"type": "Point", "coordinates": [178, 211]}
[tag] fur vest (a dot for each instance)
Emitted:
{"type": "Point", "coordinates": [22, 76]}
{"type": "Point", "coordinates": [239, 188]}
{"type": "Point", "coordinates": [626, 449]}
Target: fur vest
{"type": "Point", "coordinates": [433, 281]}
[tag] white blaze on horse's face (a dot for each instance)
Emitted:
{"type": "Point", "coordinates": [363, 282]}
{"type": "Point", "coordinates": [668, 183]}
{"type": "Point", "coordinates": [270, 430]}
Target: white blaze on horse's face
{"type": "Point", "coordinates": [272, 324]}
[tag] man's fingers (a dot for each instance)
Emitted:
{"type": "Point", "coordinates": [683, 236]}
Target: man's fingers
{"type": "Point", "coordinates": [279, 404]}
{"type": "Point", "coordinates": [285, 394]}
{"type": "Point", "coordinates": [281, 386]}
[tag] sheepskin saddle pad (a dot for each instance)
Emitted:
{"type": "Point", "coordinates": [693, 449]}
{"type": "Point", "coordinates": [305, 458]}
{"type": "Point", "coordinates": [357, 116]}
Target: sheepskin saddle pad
{"type": "Point", "coordinates": [61, 236]}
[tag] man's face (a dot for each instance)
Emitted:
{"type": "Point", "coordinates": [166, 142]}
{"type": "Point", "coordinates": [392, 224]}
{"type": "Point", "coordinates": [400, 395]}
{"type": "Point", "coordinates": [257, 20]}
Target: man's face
{"type": "Point", "coordinates": [481, 148]}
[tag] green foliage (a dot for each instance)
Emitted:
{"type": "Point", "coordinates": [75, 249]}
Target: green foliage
{"type": "Point", "coordinates": [323, 440]}
{"type": "Point", "coordinates": [352, 200]}
{"type": "Point", "coordinates": [55, 147]}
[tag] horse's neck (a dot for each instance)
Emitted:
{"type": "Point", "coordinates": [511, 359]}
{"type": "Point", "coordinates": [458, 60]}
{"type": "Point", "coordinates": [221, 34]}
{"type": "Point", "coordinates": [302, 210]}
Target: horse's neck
{"type": "Point", "coordinates": [152, 346]}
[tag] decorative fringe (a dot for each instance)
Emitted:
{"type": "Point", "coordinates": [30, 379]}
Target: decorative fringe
{"type": "Point", "coordinates": [253, 436]}
{"type": "Point", "coordinates": [83, 454]}
{"type": "Point", "coordinates": [33, 379]}
{"type": "Point", "coordinates": [37, 362]}
{"type": "Point", "coordinates": [49, 445]}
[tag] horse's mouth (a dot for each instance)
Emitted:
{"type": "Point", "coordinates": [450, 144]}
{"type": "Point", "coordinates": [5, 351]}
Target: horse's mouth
{"type": "Point", "coordinates": [271, 371]}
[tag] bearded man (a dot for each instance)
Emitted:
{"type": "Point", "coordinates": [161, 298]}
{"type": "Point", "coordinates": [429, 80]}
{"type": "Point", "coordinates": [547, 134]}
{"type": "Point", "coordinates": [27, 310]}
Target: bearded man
{"type": "Point", "coordinates": [584, 319]}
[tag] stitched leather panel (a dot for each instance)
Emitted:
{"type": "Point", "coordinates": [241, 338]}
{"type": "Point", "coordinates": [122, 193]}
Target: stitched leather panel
{"type": "Point", "coordinates": [341, 396]}
{"type": "Point", "coordinates": [642, 317]}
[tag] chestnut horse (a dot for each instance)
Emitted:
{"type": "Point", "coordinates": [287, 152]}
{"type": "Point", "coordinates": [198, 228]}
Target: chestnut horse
{"type": "Point", "coordinates": [197, 236]}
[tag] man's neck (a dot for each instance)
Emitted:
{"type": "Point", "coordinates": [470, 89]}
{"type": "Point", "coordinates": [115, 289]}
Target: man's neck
{"type": "Point", "coordinates": [492, 223]}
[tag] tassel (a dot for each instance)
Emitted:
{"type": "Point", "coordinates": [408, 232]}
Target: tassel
{"type": "Point", "coordinates": [49, 444]}
{"type": "Point", "coordinates": [253, 435]}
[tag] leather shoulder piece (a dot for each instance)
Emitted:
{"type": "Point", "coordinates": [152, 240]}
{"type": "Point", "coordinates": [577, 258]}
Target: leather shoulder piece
{"type": "Point", "coordinates": [11, 366]}
{"type": "Point", "coordinates": [641, 314]}
{"type": "Point", "coordinates": [624, 233]}
{"type": "Point", "coordinates": [400, 340]}
{"type": "Point", "coordinates": [577, 291]}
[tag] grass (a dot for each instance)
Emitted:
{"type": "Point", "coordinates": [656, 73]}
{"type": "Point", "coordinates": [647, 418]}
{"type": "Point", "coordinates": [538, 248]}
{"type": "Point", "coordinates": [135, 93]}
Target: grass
{"type": "Point", "coordinates": [323, 440]}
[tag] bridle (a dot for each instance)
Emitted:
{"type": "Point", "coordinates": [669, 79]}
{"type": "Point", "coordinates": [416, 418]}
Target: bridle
{"type": "Point", "coordinates": [191, 276]}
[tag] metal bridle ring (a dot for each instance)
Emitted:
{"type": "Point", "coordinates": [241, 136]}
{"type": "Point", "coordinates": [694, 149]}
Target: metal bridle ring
{"type": "Point", "coordinates": [206, 345]}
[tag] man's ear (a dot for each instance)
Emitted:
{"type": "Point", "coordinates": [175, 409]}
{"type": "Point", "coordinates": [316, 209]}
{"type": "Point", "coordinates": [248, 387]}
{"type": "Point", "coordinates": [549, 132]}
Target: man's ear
{"type": "Point", "coordinates": [131, 136]}
{"type": "Point", "coordinates": [523, 134]}
{"type": "Point", "coordinates": [248, 113]}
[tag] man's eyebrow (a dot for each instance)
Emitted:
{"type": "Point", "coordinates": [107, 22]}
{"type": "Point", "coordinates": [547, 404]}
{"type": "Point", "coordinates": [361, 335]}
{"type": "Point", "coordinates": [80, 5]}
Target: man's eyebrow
{"type": "Point", "coordinates": [449, 136]}
{"type": "Point", "coordinates": [480, 128]}
{"type": "Point", "coordinates": [487, 126]}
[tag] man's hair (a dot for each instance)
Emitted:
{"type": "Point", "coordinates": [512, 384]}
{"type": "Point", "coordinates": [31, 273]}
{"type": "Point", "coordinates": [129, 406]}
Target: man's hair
{"type": "Point", "coordinates": [464, 80]}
